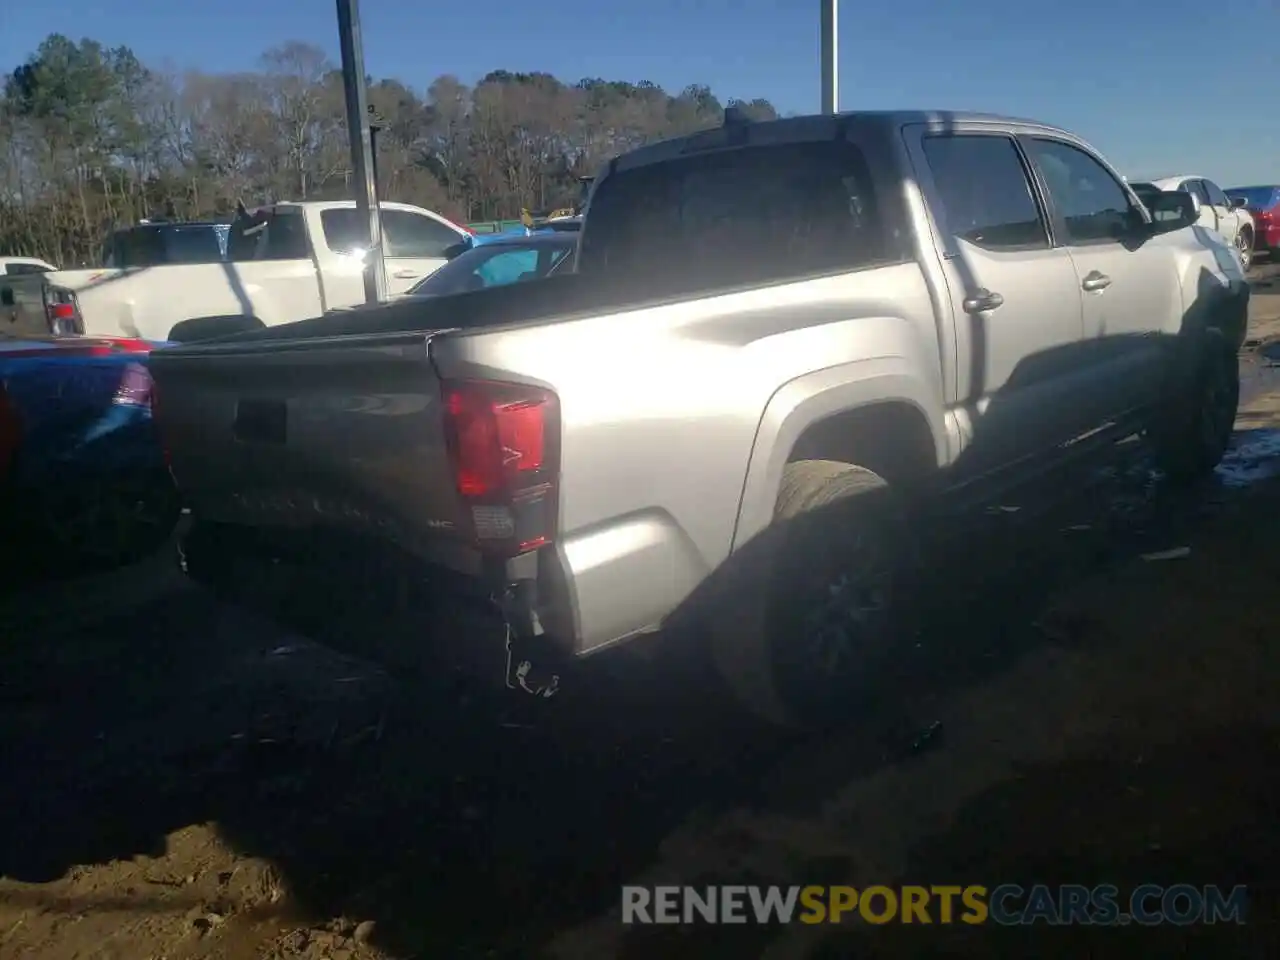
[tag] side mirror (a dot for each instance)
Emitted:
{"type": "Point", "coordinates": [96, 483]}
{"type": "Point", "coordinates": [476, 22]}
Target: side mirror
{"type": "Point", "coordinates": [1238, 203]}
{"type": "Point", "coordinates": [1173, 210]}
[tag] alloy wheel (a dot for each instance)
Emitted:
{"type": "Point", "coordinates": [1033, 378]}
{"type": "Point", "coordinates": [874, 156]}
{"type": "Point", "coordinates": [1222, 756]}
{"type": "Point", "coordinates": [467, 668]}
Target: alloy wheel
{"type": "Point", "coordinates": [1244, 249]}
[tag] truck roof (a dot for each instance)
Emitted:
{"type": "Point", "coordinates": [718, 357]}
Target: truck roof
{"type": "Point", "coordinates": [823, 126]}
{"type": "Point", "coordinates": [1170, 183]}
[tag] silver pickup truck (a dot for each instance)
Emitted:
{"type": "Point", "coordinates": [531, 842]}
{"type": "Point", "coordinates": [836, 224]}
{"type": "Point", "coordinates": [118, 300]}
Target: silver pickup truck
{"type": "Point", "coordinates": [783, 339]}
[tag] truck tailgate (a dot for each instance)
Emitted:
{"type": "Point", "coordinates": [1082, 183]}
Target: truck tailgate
{"type": "Point", "coordinates": [345, 434]}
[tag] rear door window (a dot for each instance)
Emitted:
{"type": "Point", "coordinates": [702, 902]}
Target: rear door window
{"type": "Point", "coordinates": [1196, 189]}
{"type": "Point", "coordinates": [404, 234]}
{"type": "Point", "coordinates": [413, 235]}
{"type": "Point", "coordinates": [1215, 194]}
{"type": "Point", "coordinates": [985, 192]}
{"type": "Point", "coordinates": [747, 215]}
{"type": "Point", "coordinates": [342, 233]}
{"type": "Point", "coordinates": [268, 235]}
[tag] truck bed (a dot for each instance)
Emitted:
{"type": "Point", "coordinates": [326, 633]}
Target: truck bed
{"type": "Point", "coordinates": [564, 297]}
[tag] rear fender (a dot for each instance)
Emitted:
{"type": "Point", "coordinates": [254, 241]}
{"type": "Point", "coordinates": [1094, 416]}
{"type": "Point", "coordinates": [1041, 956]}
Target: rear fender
{"type": "Point", "coordinates": [809, 399]}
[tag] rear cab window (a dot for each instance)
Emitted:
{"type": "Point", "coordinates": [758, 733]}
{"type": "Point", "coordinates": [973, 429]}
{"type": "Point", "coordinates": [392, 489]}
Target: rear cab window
{"type": "Point", "coordinates": [753, 214]}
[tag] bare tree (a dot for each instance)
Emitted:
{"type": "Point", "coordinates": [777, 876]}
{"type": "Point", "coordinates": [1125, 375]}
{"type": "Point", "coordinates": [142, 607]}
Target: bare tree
{"type": "Point", "coordinates": [91, 137]}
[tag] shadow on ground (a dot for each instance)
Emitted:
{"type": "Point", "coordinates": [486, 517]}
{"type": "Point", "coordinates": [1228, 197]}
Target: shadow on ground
{"type": "Point", "coordinates": [465, 828]}
{"type": "Point", "coordinates": [1188, 812]}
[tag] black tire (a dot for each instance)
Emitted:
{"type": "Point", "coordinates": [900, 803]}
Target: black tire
{"type": "Point", "coordinates": [821, 624]}
{"type": "Point", "coordinates": [1194, 426]}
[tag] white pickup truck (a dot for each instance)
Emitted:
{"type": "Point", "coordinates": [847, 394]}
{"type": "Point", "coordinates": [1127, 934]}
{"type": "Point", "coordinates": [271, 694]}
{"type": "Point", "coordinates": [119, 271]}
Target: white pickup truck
{"type": "Point", "coordinates": [301, 260]}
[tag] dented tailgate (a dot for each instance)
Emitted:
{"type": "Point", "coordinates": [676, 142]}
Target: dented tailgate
{"type": "Point", "coordinates": [343, 433]}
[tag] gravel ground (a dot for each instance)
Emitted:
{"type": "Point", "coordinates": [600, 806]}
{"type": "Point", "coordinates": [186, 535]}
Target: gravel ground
{"type": "Point", "coordinates": [183, 779]}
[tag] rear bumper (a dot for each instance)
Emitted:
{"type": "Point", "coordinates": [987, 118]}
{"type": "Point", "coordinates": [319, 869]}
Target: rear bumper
{"type": "Point", "coordinates": [365, 597]}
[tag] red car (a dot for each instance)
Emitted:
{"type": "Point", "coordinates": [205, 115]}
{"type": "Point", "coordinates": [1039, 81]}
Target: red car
{"type": "Point", "coordinates": [1264, 204]}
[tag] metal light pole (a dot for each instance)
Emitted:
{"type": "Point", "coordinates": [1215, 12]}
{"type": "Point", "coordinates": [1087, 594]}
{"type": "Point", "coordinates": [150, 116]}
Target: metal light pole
{"type": "Point", "coordinates": [376, 123]}
{"type": "Point", "coordinates": [830, 43]}
{"type": "Point", "coordinates": [375, 271]}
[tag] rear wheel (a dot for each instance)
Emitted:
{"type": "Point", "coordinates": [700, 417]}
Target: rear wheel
{"type": "Point", "coordinates": [1194, 427]}
{"type": "Point", "coordinates": [1244, 248]}
{"type": "Point", "coordinates": [827, 619]}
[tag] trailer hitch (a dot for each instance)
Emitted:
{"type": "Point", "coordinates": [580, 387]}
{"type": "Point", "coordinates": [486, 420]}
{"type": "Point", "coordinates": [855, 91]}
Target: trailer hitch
{"type": "Point", "coordinates": [531, 662]}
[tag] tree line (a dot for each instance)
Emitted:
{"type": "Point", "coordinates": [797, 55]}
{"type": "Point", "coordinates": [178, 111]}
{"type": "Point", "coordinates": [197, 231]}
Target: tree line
{"type": "Point", "coordinates": [91, 138]}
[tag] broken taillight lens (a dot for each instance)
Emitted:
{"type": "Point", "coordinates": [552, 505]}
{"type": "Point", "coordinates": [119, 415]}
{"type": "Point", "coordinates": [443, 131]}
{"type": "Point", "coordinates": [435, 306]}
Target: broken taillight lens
{"type": "Point", "coordinates": [504, 448]}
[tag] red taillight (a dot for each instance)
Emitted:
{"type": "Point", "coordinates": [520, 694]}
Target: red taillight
{"type": "Point", "coordinates": [10, 432]}
{"type": "Point", "coordinates": [134, 388]}
{"type": "Point", "coordinates": [504, 446]}
{"type": "Point", "coordinates": [128, 345]}
{"type": "Point", "coordinates": [62, 311]}
{"type": "Point", "coordinates": [1267, 216]}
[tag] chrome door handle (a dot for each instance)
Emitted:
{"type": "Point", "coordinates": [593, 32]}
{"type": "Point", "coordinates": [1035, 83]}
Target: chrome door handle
{"type": "Point", "coordinates": [982, 301]}
{"type": "Point", "coordinates": [406, 274]}
{"type": "Point", "coordinates": [1096, 281]}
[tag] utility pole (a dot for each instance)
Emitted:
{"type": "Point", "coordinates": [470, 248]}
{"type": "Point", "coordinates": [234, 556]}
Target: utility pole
{"type": "Point", "coordinates": [376, 125]}
{"type": "Point", "coordinates": [353, 85]}
{"type": "Point", "coordinates": [830, 43]}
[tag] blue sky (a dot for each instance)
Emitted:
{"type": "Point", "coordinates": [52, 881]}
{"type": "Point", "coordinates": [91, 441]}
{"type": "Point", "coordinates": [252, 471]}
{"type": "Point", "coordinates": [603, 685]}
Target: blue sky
{"type": "Point", "coordinates": [1170, 87]}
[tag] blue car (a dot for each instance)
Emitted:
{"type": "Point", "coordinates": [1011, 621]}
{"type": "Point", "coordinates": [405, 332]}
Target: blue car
{"type": "Point", "coordinates": [569, 225]}
{"type": "Point", "coordinates": [83, 477]}
{"type": "Point", "coordinates": [502, 259]}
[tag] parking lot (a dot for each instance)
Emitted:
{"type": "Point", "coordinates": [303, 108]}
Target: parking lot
{"type": "Point", "coordinates": [1093, 699]}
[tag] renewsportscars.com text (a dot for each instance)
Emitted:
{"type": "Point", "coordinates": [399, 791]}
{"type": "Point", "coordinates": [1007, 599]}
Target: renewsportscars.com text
{"type": "Point", "coordinates": [1007, 905]}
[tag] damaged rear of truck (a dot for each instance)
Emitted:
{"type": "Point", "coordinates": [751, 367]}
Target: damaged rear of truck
{"type": "Point", "coordinates": [773, 342]}
{"type": "Point", "coordinates": [581, 449]}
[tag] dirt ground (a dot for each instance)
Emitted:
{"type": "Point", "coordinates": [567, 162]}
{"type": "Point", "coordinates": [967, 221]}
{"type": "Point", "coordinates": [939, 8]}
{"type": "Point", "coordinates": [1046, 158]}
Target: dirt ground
{"type": "Point", "coordinates": [181, 779]}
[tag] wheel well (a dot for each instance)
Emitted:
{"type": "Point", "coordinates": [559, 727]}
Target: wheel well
{"type": "Point", "coordinates": [205, 328]}
{"type": "Point", "coordinates": [891, 438]}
